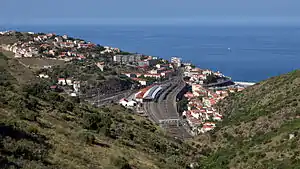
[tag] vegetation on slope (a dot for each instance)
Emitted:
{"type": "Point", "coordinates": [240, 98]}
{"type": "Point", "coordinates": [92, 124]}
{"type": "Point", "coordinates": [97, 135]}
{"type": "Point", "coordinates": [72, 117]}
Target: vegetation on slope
{"type": "Point", "coordinates": [261, 129]}
{"type": "Point", "coordinates": [43, 129]}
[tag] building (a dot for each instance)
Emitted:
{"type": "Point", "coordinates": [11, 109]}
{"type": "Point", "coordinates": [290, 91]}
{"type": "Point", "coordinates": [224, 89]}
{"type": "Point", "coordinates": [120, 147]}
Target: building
{"type": "Point", "coordinates": [147, 63]}
{"type": "Point", "coordinates": [152, 93]}
{"type": "Point", "coordinates": [43, 76]}
{"type": "Point", "coordinates": [130, 75]}
{"type": "Point", "coordinates": [176, 61]}
{"type": "Point", "coordinates": [69, 82]}
{"type": "Point", "coordinates": [126, 103]}
{"type": "Point", "coordinates": [124, 59]}
{"type": "Point", "coordinates": [149, 93]}
{"type": "Point", "coordinates": [62, 81]}
{"type": "Point", "coordinates": [143, 82]}
{"type": "Point", "coordinates": [76, 86]}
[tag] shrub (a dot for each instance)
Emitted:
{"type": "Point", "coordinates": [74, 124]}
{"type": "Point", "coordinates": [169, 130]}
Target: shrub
{"type": "Point", "coordinates": [97, 121]}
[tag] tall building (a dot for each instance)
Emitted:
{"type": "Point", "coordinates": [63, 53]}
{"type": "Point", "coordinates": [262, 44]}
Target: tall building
{"type": "Point", "coordinates": [176, 61]}
{"type": "Point", "coordinates": [127, 58]}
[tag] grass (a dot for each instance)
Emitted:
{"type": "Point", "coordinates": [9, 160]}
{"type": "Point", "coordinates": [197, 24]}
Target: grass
{"type": "Point", "coordinates": [255, 132]}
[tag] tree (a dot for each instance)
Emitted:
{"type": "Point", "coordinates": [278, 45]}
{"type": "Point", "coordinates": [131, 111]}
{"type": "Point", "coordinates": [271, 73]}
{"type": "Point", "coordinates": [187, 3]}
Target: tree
{"type": "Point", "coordinates": [100, 77]}
{"type": "Point", "coordinates": [97, 121]}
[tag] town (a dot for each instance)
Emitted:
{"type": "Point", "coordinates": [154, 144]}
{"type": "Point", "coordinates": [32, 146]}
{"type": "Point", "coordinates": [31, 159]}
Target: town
{"type": "Point", "coordinates": [174, 94]}
{"type": "Point", "coordinates": [199, 89]}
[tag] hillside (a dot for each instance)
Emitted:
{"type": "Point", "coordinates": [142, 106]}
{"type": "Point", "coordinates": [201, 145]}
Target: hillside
{"type": "Point", "coordinates": [44, 129]}
{"type": "Point", "coordinates": [261, 129]}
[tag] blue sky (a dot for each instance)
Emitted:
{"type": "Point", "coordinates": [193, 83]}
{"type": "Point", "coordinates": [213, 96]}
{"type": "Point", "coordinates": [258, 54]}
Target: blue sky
{"type": "Point", "coordinates": [147, 11]}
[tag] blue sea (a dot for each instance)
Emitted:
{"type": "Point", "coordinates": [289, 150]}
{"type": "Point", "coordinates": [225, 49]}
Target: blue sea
{"type": "Point", "coordinates": [256, 52]}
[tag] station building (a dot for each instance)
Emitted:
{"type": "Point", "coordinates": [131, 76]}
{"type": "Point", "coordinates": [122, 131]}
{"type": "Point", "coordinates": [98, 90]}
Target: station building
{"type": "Point", "coordinates": [149, 93]}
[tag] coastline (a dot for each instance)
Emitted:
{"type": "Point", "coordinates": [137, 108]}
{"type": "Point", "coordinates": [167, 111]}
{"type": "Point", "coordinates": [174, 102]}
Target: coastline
{"type": "Point", "coordinates": [203, 87]}
{"type": "Point", "coordinates": [249, 58]}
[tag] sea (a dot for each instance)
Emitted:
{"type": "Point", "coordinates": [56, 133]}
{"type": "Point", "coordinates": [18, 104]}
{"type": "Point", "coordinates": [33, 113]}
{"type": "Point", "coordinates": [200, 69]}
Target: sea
{"type": "Point", "coordinates": [243, 52]}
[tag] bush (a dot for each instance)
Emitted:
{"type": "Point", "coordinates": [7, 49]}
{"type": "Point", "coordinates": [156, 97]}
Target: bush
{"type": "Point", "coordinates": [87, 137]}
{"type": "Point", "coordinates": [55, 97]}
{"type": "Point", "coordinates": [122, 163]}
{"type": "Point", "coordinates": [97, 121]}
{"type": "Point", "coordinates": [36, 89]}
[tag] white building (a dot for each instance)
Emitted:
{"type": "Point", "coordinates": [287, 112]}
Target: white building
{"type": "Point", "coordinates": [76, 86]}
{"type": "Point", "coordinates": [69, 82]}
{"type": "Point", "coordinates": [62, 81]}
{"type": "Point", "coordinates": [176, 61]}
{"type": "Point", "coordinates": [124, 102]}
{"type": "Point", "coordinates": [43, 76]}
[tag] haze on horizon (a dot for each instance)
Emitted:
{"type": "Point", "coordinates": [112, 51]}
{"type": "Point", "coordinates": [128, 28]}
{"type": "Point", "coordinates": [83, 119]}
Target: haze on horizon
{"type": "Point", "coordinates": [148, 12]}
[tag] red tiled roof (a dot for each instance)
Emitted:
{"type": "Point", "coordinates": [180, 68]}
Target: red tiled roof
{"type": "Point", "coordinates": [124, 100]}
{"type": "Point", "coordinates": [207, 127]}
{"type": "Point", "coordinates": [53, 87]}
{"type": "Point", "coordinates": [138, 79]}
{"type": "Point", "coordinates": [143, 91]}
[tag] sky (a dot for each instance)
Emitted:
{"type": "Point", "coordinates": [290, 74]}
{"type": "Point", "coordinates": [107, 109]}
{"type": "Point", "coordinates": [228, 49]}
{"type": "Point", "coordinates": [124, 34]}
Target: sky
{"type": "Point", "coordinates": [147, 11]}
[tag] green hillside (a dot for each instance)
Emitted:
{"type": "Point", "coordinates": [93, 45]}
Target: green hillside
{"type": "Point", "coordinates": [43, 129]}
{"type": "Point", "coordinates": [261, 129]}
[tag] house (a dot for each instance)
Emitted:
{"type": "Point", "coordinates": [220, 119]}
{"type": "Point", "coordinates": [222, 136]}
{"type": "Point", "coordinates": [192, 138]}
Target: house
{"type": "Point", "coordinates": [54, 87]}
{"type": "Point", "coordinates": [196, 87]}
{"type": "Point", "coordinates": [143, 82]}
{"type": "Point", "coordinates": [76, 86]}
{"type": "Point", "coordinates": [69, 82]}
{"type": "Point", "coordinates": [217, 117]}
{"type": "Point", "coordinates": [157, 76]}
{"type": "Point", "coordinates": [126, 103]}
{"type": "Point", "coordinates": [67, 45]}
{"type": "Point", "coordinates": [50, 35]}
{"type": "Point", "coordinates": [192, 121]}
{"type": "Point", "coordinates": [154, 71]}
{"type": "Point", "coordinates": [195, 113]}
{"type": "Point", "coordinates": [108, 49]}
{"type": "Point", "coordinates": [158, 66]}
{"type": "Point", "coordinates": [73, 94]}
{"type": "Point", "coordinates": [209, 102]}
{"type": "Point", "coordinates": [221, 92]}
{"type": "Point", "coordinates": [218, 74]}
{"type": "Point", "coordinates": [43, 76]}
{"type": "Point", "coordinates": [206, 128]}
{"type": "Point", "coordinates": [130, 75]}
{"type": "Point", "coordinates": [81, 57]}
{"type": "Point", "coordinates": [86, 45]}
{"type": "Point", "coordinates": [167, 73]}
{"type": "Point", "coordinates": [65, 36]}
{"type": "Point", "coordinates": [207, 72]}
{"type": "Point", "coordinates": [62, 81]}
{"type": "Point", "coordinates": [189, 95]}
